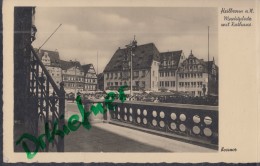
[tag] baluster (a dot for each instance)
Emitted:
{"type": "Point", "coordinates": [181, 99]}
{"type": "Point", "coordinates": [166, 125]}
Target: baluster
{"type": "Point", "coordinates": [52, 101]}
{"type": "Point", "coordinates": [61, 95]}
{"type": "Point", "coordinates": [47, 101]}
{"type": "Point", "coordinates": [41, 91]}
{"type": "Point", "coordinates": [33, 75]}
{"type": "Point", "coordinates": [37, 82]}
{"type": "Point", "coordinates": [41, 84]}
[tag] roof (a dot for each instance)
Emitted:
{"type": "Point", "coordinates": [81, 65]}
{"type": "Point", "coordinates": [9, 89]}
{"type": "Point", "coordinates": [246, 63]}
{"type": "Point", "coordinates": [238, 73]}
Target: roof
{"type": "Point", "coordinates": [86, 67]}
{"type": "Point", "coordinates": [54, 56]}
{"type": "Point", "coordinates": [65, 65]}
{"type": "Point", "coordinates": [210, 66]}
{"type": "Point", "coordinates": [169, 56]}
{"type": "Point", "coordinates": [207, 65]}
{"type": "Point", "coordinates": [142, 59]}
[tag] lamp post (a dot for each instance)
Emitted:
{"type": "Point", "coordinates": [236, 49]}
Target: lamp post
{"type": "Point", "coordinates": [131, 47]}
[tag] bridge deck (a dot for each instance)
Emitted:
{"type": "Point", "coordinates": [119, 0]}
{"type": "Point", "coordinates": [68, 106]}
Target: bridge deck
{"type": "Point", "coordinates": [104, 137]}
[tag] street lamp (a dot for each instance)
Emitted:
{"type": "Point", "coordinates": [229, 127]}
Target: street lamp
{"type": "Point", "coordinates": [131, 47]}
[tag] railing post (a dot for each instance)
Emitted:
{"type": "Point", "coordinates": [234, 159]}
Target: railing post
{"type": "Point", "coordinates": [60, 147]}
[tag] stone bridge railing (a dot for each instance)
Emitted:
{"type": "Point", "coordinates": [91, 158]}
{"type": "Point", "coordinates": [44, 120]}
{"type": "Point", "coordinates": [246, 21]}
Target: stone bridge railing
{"type": "Point", "coordinates": [197, 124]}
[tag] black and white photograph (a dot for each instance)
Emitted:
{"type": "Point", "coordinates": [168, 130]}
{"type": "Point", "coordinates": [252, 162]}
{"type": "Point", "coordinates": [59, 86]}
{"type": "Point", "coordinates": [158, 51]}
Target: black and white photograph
{"type": "Point", "coordinates": [156, 82]}
{"type": "Point", "coordinates": [151, 73]}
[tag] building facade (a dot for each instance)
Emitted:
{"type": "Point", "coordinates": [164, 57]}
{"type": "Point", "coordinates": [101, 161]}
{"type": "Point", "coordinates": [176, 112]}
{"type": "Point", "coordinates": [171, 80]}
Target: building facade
{"type": "Point", "coordinates": [51, 60]}
{"type": "Point", "coordinates": [72, 76]}
{"type": "Point", "coordinates": [170, 62]}
{"type": "Point", "coordinates": [198, 77]}
{"type": "Point", "coordinates": [145, 65]}
{"type": "Point", "coordinates": [90, 75]}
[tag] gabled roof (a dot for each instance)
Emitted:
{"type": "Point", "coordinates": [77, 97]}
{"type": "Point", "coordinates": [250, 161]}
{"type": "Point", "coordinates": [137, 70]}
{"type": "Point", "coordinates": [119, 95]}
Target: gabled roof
{"type": "Point", "coordinates": [207, 66]}
{"type": "Point", "coordinates": [65, 65]}
{"type": "Point", "coordinates": [54, 56]}
{"type": "Point", "coordinates": [210, 63]}
{"type": "Point", "coordinates": [86, 67]}
{"type": "Point", "coordinates": [169, 56]}
{"type": "Point", "coordinates": [142, 59]}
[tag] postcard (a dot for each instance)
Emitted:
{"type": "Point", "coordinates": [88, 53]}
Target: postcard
{"type": "Point", "coordinates": [131, 81]}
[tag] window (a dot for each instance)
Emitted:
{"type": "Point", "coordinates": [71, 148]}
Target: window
{"type": "Point", "coordinates": [111, 83]}
{"type": "Point", "coordinates": [143, 73]}
{"type": "Point", "coordinates": [172, 73]}
{"type": "Point", "coordinates": [116, 83]}
{"type": "Point", "coordinates": [181, 84]}
{"type": "Point", "coordinates": [172, 83]}
{"type": "Point", "coordinates": [143, 83]}
{"type": "Point", "coordinates": [162, 74]}
{"type": "Point", "coordinates": [166, 83]}
{"type": "Point", "coordinates": [153, 84]}
{"type": "Point", "coordinates": [136, 83]}
{"type": "Point", "coordinates": [162, 83]}
{"type": "Point", "coordinates": [153, 73]}
{"type": "Point", "coordinates": [107, 75]}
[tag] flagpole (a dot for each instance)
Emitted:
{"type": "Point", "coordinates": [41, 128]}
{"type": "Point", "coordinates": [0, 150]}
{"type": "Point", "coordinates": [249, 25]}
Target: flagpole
{"type": "Point", "coordinates": [208, 60]}
{"type": "Point", "coordinates": [97, 71]}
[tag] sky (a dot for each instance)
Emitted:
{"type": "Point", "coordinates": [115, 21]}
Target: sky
{"type": "Point", "coordinates": [88, 32]}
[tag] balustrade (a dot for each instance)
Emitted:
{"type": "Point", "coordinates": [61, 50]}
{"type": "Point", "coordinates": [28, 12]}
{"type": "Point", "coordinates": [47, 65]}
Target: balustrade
{"type": "Point", "coordinates": [198, 124]}
{"type": "Point", "coordinates": [49, 99]}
